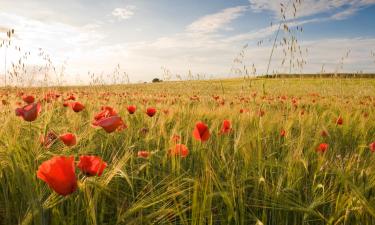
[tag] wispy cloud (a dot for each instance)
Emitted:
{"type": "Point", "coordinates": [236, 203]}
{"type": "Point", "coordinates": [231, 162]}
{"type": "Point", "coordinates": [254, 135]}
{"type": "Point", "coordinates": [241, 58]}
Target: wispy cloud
{"type": "Point", "coordinates": [217, 21]}
{"type": "Point", "coordinates": [124, 13]}
{"type": "Point", "coordinates": [214, 56]}
{"type": "Point", "coordinates": [341, 9]}
{"type": "Point", "coordinates": [352, 8]}
{"type": "Point", "coordinates": [268, 31]}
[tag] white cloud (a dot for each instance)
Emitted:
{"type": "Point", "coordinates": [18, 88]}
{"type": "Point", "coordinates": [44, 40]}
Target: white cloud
{"type": "Point", "coordinates": [214, 22]}
{"type": "Point", "coordinates": [59, 40]}
{"type": "Point", "coordinates": [214, 54]}
{"type": "Point", "coordinates": [199, 47]}
{"type": "Point", "coordinates": [123, 13]}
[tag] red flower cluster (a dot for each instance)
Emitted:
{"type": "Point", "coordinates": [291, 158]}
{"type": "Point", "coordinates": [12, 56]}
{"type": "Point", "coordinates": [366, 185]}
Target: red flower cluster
{"type": "Point", "coordinates": [109, 120]}
{"type": "Point", "coordinates": [179, 150]}
{"type": "Point", "coordinates": [28, 99]}
{"type": "Point", "coordinates": [70, 97]}
{"type": "Point", "coordinates": [50, 96]}
{"type": "Point", "coordinates": [91, 165]}
{"type": "Point", "coordinates": [59, 172]}
{"type": "Point", "coordinates": [29, 112]}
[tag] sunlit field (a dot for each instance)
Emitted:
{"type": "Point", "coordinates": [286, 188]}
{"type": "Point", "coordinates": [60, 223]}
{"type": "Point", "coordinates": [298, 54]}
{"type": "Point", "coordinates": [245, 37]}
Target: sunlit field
{"type": "Point", "coordinates": [235, 151]}
{"type": "Point", "coordinates": [199, 112]}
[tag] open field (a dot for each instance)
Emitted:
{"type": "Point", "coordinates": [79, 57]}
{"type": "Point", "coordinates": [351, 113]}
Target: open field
{"type": "Point", "coordinates": [293, 151]}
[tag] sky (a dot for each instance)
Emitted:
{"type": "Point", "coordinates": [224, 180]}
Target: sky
{"type": "Point", "coordinates": [201, 36]}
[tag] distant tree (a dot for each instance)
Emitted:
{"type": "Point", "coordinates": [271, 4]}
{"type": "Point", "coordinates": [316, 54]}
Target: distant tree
{"type": "Point", "coordinates": [156, 80]}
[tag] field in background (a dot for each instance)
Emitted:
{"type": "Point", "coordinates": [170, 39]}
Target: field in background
{"type": "Point", "coordinates": [253, 175]}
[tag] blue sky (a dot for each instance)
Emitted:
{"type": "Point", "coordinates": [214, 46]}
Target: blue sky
{"type": "Point", "coordinates": [202, 36]}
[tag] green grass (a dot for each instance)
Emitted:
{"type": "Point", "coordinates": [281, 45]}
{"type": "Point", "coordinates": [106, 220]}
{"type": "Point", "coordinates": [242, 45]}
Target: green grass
{"type": "Point", "coordinates": [251, 176]}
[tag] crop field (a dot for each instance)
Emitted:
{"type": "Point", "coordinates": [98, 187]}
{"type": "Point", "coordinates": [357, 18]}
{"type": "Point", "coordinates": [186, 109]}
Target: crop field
{"type": "Point", "coordinates": [235, 151]}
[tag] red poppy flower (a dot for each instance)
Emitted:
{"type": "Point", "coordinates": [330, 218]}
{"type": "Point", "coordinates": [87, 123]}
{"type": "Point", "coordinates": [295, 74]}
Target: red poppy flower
{"type": "Point", "coordinates": [28, 99]}
{"type": "Point", "coordinates": [339, 121]}
{"type": "Point", "coordinates": [179, 150]}
{"type": "Point", "coordinates": [29, 112]}
{"type": "Point", "coordinates": [372, 146]}
{"type": "Point", "coordinates": [50, 96]}
{"type": "Point", "coordinates": [131, 109]}
{"type": "Point", "coordinates": [176, 138]}
{"type": "Point", "coordinates": [225, 127]}
{"type": "Point", "coordinates": [143, 154]}
{"type": "Point", "coordinates": [108, 120]}
{"type": "Point", "coordinates": [70, 97]}
{"type": "Point", "coordinates": [91, 165]}
{"type": "Point", "coordinates": [201, 132]}
{"type": "Point", "coordinates": [69, 139]}
{"type": "Point", "coordinates": [106, 112]}
{"type": "Point", "coordinates": [59, 174]}
{"type": "Point", "coordinates": [282, 133]}
{"type": "Point", "coordinates": [66, 104]}
{"type": "Point", "coordinates": [151, 112]}
{"type": "Point", "coordinates": [110, 124]}
{"type": "Point", "coordinates": [77, 106]}
{"type": "Point", "coordinates": [322, 147]}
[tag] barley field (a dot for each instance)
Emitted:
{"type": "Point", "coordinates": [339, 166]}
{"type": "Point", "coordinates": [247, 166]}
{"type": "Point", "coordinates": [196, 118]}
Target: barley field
{"type": "Point", "coordinates": [232, 151]}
